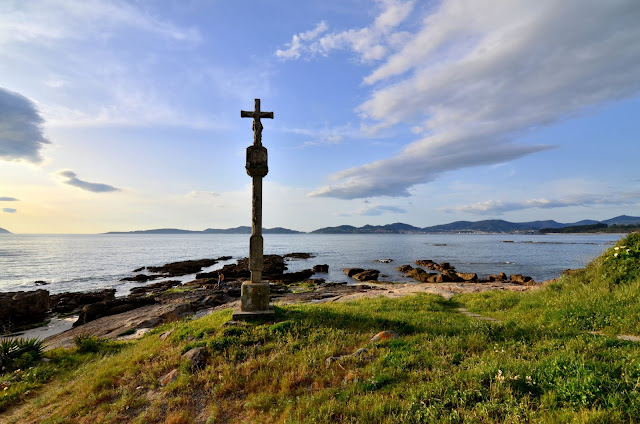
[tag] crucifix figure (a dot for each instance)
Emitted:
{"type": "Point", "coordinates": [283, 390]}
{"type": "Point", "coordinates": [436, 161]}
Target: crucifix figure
{"type": "Point", "coordinates": [255, 294]}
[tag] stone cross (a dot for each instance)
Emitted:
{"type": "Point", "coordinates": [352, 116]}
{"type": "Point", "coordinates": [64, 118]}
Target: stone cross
{"type": "Point", "coordinates": [257, 168]}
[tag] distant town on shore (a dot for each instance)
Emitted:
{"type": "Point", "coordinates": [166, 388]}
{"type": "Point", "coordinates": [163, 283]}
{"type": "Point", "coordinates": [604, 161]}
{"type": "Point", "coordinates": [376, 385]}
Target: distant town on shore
{"type": "Point", "coordinates": [619, 224]}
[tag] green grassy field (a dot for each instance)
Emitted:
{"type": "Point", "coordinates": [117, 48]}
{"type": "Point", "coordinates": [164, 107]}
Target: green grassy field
{"type": "Point", "coordinates": [539, 364]}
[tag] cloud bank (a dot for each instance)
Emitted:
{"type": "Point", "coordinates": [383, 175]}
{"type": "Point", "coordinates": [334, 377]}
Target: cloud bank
{"type": "Point", "coordinates": [73, 180]}
{"type": "Point", "coordinates": [21, 134]}
{"type": "Point", "coordinates": [474, 76]}
{"type": "Point", "coordinates": [8, 199]}
{"type": "Point", "coordinates": [9, 210]}
{"type": "Point", "coordinates": [492, 207]}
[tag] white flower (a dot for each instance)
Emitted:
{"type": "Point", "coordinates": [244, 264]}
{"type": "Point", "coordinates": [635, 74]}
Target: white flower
{"type": "Point", "coordinates": [615, 255]}
{"type": "Point", "coordinates": [616, 248]}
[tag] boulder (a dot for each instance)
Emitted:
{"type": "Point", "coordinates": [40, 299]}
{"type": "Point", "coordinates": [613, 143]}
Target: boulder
{"type": "Point", "coordinates": [321, 268]}
{"type": "Point", "coordinates": [196, 358]}
{"type": "Point", "coordinates": [521, 279]}
{"type": "Point", "coordinates": [298, 255]}
{"type": "Point", "coordinates": [384, 336]}
{"type": "Point", "coordinates": [305, 274]}
{"type": "Point", "coordinates": [353, 271]}
{"type": "Point", "coordinates": [420, 274]}
{"type": "Point", "coordinates": [497, 277]}
{"type": "Point", "coordinates": [367, 275]}
{"type": "Point", "coordinates": [141, 278]}
{"type": "Point", "coordinates": [404, 268]}
{"type": "Point", "coordinates": [383, 261]}
{"type": "Point", "coordinates": [18, 309]}
{"type": "Point", "coordinates": [467, 276]}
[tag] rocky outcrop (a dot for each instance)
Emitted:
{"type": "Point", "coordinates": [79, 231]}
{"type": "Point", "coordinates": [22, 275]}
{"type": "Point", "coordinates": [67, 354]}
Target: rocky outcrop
{"type": "Point", "coordinates": [299, 255]}
{"type": "Point", "coordinates": [154, 288]}
{"type": "Point", "coordinates": [141, 278]}
{"type": "Point", "coordinates": [367, 275]}
{"type": "Point", "coordinates": [176, 269]}
{"type": "Point", "coordinates": [111, 307]}
{"type": "Point", "coordinates": [404, 268]}
{"type": "Point", "coordinates": [497, 277]}
{"type": "Point", "coordinates": [429, 264]}
{"type": "Point", "coordinates": [18, 309]}
{"type": "Point", "coordinates": [68, 302]}
{"type": "Point", "coordinates": [521, 279]}
{"type": "Point", "coordinates": [353, 271]}
{"type": "Point", "coordinates": [321, 268]}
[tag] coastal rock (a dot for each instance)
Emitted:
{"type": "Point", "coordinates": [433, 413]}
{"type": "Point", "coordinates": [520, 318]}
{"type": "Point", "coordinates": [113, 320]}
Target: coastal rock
{"type": "Point", "coordinates": [419, 274]}
{"type": "Point", "coordinates": [154, 288]}
{"type": "Point", "coordinates": [170, 377]}
{"type": "Point", "coordinates": [404, 268]}
{"type": "Point", "coordinates": [497, 277]}
{"type": "Point", "coordinates": [18, 309]}
{"type": "Point", "coordinates": [367, 275]}
{"type": "Point", "coordinates": [321, 268]}
{"type": "Point", "coordinates": [383, 261]}
{"type": "Point", "coordinates": [521, 279]}
{"type": "Point", "coordinates": [305, 274]}
{"type": "Point", "coordinates": [429, 264]}
{"type": "Point", "coordinates": [353, 271]}
{"type": "Point", "coordinates": [71, 301]}
{"type": "Point", "coordinates": [298, 255]}
{"type": "Point", "coordinates": [176, 269]}
{"type": "Point", "coordinates": [111, 307]}
{"type": "Point", "coordinates": [467, 276]}
{"type": "Point", "coordinates": [141, 278]}
{"type": "Point", "coordinates": [40, 283]}
{"type": "Point", "coordinates": [274, 267]}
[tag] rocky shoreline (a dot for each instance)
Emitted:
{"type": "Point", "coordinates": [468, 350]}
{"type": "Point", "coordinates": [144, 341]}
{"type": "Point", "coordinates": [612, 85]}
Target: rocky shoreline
{"type": "Point", "coordinates": [101, 314]}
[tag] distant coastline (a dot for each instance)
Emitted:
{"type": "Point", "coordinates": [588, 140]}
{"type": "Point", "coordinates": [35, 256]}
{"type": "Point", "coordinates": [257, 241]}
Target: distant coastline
{"type": "Point", "coordinates": [3, 231]}
{"type": "Point", "coordinates": [620, 224]}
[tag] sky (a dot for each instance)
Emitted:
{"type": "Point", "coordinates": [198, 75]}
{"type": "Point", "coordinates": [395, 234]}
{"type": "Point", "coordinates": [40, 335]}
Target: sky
{"type": "Point", "coordinates": [125, 115]}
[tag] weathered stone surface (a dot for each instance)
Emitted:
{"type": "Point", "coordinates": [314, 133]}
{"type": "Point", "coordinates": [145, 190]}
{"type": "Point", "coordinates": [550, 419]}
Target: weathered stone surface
{"type": "Point", "coordinates": [353, 271]}
{"type": "Point", "coordinates": [154, 288]}
{"type": "Point", "coordinates": [404, 268]}
{"type": "Point", "coordinates": [384, 335]}
{"type": "Point", "coordinates": [196, 358]}
{"type": "Point", "coordinates": [255, 297]}
{"type": "Point", "coordinates": [367, 275]}
{"type": "Point", "coordinates": [299, 255]}
{"type": "Point", "coordinates": [68, 302]}
{"type": "Point", "coordinates": [521, 279]}
{"type": "Point", "coordinates": [111, 307]}
{"type": "Point", "coordinates": [141, 278]}
{"type": "Point", "coordinates": [324, 268]}
{"type": "Point", "coordinates": [467, 276]}
{"type": "Point", "coordinates": [170, 377]}
{"type": "Point", "coordinates": [18, 309]}
{"type": "Point", "coordinates": [497, 277]}
{"type": "Point", "coordinates": [176, 269]}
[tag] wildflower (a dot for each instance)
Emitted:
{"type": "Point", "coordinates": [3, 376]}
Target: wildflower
{"type": "Point", "coordinates": [616, 248]}
{"type": "Point", "coordinates": [615, 255]}
{"type": "Point", "coordinates": [499, 377]}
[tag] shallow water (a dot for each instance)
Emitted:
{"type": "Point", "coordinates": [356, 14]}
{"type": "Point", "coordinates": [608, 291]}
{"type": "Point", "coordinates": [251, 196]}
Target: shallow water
{"type": "Point", "coordinates": [89, 262]}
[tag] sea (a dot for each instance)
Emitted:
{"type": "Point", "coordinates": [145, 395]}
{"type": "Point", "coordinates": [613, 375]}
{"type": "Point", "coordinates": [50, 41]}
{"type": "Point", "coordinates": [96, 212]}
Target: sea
{"type": "Point", "coordinates": [70, 263]}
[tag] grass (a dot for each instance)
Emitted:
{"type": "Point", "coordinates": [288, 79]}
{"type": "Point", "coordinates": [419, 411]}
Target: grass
{"type": "Point", "coordinates": [536, 366]}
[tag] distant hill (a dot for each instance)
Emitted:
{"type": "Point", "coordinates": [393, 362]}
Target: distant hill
{"type": "Point", "coordinates": [397, 228]}
{"type": "Point", "coordinates": [486, 226]}
{"type": "Point", "coordinates": [3, 231]}
{"type": "Point", "coordinates": [236, 230]}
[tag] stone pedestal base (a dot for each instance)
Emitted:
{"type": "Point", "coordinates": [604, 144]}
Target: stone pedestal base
{"type": "Point", "coordinates": [254, 302]}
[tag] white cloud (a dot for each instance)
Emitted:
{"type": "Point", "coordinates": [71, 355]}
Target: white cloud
{"type": "Point", "coordinates": [478, 73]}
{"type": "Point", "coordinates": [377, 210]}
{"type": "Point", "coordinates": [73, 180]}
{"type": "Point", "coordinates": [369, 43]}
{"type": "Point", "coordinates": [491, 207]}
{"type": "Point", "coordinates": [195, 194]}
{"type": "Point", "coordinates": [21, 135]}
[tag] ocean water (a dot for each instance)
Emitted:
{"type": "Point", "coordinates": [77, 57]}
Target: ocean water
{"type": "Point", "coordinates": [90, 262]}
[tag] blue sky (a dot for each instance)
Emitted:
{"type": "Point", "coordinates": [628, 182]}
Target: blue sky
{"type": "Point", "coordinates": [124, 115]}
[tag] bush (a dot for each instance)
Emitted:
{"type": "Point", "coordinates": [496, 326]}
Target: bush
{"type": "Point", "coordinates": [19, 353]}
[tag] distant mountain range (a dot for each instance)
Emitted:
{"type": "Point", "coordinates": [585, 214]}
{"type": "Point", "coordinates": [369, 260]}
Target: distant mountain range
{"type": "Point", "coordinates": [236, 230]}
{"type": "Point", "coordinates": [486, 226]}
{"type": "Point", "coordinates": [3, 231]}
